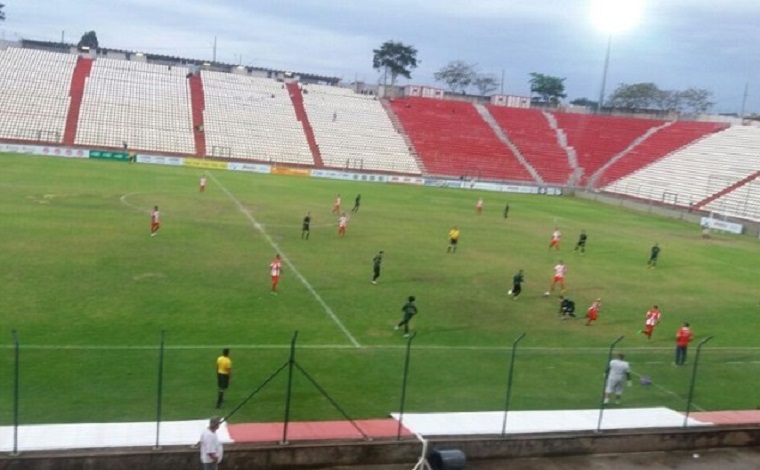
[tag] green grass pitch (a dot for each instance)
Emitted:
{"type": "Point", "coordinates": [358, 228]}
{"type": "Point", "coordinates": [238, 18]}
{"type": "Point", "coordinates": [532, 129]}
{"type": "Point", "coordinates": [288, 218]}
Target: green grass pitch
{"type": "Point", "coordinates": [89, 291]}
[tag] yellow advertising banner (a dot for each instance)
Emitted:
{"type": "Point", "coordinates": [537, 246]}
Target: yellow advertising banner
{"type": "Point", "coordinates": [284, 170]}
{"type": "Point", "coordinates": [201, 163]}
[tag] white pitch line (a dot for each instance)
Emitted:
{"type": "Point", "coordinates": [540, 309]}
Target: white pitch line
{"type": "Point", "coordinates": [669, 392]}
{"type": "Point", "coordinates": [290, 265]}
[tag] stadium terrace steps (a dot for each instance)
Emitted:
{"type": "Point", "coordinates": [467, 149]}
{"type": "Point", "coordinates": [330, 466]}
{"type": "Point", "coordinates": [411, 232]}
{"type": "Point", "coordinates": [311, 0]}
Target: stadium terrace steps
{"type": "Point", "coordinates": [728, 189]}
{"type": "Point", "coordinates": [452, 139]}
{"type": "Point", "coordinates": [657, 146]}
{"type": "Point", "coordinates": [198, 104]}
{"type": "Point", "coordinates": [698, 171]}
{"type": "Point", "coordinates": [297, 99]}
{"type": "Point", "coordinates": [78, 78]}
{"type": "Point", "coordinates": [529, 130]}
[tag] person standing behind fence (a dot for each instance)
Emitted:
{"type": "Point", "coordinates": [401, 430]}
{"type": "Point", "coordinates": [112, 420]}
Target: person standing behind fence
{"type": "Point", "coordinates": [202, 184]}
{"type": "Point", "coordinates": [223, 375]}
{"type": "Point", "coordinates": [212, 451]}
{"type": "Point", "coordinates": [683, 338]}
{"type": "Point", "coordinates": [618, 370]}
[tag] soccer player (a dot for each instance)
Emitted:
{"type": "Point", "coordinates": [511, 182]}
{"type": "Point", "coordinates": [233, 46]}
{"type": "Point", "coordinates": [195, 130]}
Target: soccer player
{"type": "Point", "coordinates": [275, 267]}
{"type": "Point", "coordinates": [336, 205]}
{"type": "Point", "coordinates": [517, 281]}
{"type": "Point", "coordinates": [655, 252]}
{"type": "Point", "coordinates": [155, 221]}
{"type": "Point", "coordinates": [650, 321]}
{"type": "Point", "coordinates": [342, 222]}
{"type": "Point", "coordinates": [479, 206]}
{"type": "Point", "coordinates": [408, 311]}
{"type": "Point", "coordinates": [202, 184]}
{"type": "Point", "coordinates": [223, 375]}
{"type": "Point", "coordinates": [554, 242]}
{"type": "Point", "coordinates": [617, 371]}
{"type": "Point", "coordinates": [581, 245]}
{"type": "Point", "coordinates": [566, 308]}
{"type": "Point", "coordinates": [559, 278]}
{"type": "Point", "coordinates": [683, 338]}
{"type": "Point", "coordinates": [506, 211]}
{"type": "Point", "coordinates": [453, 240]}
{"type": "Point", "coordinates": [376, 262]}
{"type": "Point", "coordinates": [305, 227]}
{"type": "Point", "coordinates": [357, 203]}
{"type": "Point", "coordinates": [593, 311]}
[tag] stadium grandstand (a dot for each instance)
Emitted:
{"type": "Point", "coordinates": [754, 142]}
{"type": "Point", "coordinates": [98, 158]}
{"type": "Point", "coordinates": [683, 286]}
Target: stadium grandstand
{"type": "Point", "coordinates": [111, 99]}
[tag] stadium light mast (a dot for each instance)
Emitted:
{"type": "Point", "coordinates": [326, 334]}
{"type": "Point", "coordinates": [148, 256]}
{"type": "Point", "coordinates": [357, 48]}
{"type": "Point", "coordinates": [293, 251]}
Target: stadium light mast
{"type": "Point", "coordinates": [613, 17]}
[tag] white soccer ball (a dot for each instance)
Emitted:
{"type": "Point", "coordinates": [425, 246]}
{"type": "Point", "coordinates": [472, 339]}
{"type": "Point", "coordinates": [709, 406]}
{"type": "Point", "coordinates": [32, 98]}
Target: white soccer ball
{"type": "Point", "coordinates": [547, 294]}
{"type": "Point", "coordinates": [510, 292]}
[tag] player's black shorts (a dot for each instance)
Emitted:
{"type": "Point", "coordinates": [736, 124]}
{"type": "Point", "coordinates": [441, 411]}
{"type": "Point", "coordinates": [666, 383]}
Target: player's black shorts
{"type": "Point", "coordinates": [223, 381]}
{"type": "Point", "coordinates": [453, 241]}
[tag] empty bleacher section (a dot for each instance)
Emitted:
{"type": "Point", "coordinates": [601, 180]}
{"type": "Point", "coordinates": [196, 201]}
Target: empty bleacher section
{"type": "Point", "coordinates": [145, 105]}
{"type": "Point", "coordinates": [251, 118]}
{"type": "Point", "coordinates": [596, 139]}
{"type": "Point", "coordinates": [34, 94]}
{"type": "Point", "coordinates": [354, 131]}
{"type": "Point", "coordinates": [536, 140]}
{"type": "Point", "coordinates": [656, 146]}
{"type": "Point", "coordinates": [740, 200]}
{"type": "Point", "coordinates": [690, 175]}
{"type": "Point", "coordinates": [452, 139]}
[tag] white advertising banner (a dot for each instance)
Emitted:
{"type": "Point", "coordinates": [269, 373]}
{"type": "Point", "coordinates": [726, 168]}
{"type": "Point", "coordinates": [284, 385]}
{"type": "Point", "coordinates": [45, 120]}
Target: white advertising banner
{"type": "Point", "coordinates": [709, 222]}
{"type": "Point", "coordinates": [249, 167]}
{"type": "Point", "coordinates": [160, 160]}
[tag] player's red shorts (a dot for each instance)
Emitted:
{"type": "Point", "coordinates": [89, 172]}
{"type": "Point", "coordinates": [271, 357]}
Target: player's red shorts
{"type": "Point", "coordinates": [336, 208]}
{"type": "Point", "coordinates": [592, 314]}
{"type": "Point", "coordinates": [558, 279]}
{"type": "Point", "coordinates": [154, 226]}
{"type": "Point", "coordinates": [341, 230]}
{"type": "Point", "coordinates": [554, 242]}
{"type": "Point", "coordinates": [648, 329]}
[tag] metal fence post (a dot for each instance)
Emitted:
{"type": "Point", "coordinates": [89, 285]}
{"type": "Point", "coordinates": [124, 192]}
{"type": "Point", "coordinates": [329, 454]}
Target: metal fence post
{"type": "Point", "coordinates": [509, 383]}
{"type": "Point", "coordinates": [16, 366]}
{"type": "Point", "coordinates": [403, 385]}
{"type": "Point", "coordinates": [289, 389]}
{"type": "Point", "coordinates": [604, 384]}
{"type": "Point", "coordinates": [159, 398]}
{"type": "Point", "coordinates": [693, 380]}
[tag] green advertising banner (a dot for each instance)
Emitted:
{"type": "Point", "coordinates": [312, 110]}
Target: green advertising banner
{"type": "Point", "coordinates": [109, 155]}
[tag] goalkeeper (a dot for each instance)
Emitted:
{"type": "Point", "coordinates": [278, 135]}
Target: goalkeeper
{"type": "Point", "coordinates": [618, 371]}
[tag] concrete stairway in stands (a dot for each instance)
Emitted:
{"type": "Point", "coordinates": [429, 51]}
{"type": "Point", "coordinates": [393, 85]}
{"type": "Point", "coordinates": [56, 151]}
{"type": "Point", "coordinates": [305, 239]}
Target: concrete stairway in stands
{"type": "Point", "coordinates": [78, 78]}
{"type": "Point", "coordinates": [297, 99]}
{"type": "Point", "coordinates": [488, 118]}
{"type": "Point", "coordinates": [198, 104]}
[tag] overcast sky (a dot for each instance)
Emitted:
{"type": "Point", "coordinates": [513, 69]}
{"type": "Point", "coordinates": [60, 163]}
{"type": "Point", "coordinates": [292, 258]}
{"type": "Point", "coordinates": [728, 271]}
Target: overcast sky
{"type": "Point", "coordinates": [677, 44]}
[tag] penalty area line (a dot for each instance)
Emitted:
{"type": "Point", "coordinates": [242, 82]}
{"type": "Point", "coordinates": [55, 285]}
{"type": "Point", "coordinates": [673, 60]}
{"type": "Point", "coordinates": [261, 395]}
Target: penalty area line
{"type": "Point", "coordinates": [290, 265]}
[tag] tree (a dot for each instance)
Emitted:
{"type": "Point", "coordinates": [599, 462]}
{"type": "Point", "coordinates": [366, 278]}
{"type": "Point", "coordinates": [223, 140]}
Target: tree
{"type": "Point", "coordinates": [585, 102]}
{"type": "Point", "coordinates": [636, 96]}
{"type": "Point", "coordinates": [458, 75]}
{"type": "Point", "coordinates": [549, 89]}
{"type": "Point", "coordinates": [394, 58]}
{"type": "Point", "coordinates": [2, 13]}
{"type": "Point", "coordinates": [89, 39]}
{"type": "Point", "coordinates": [696, 99]}
{"type": "Point", "coordinates": [486, 84]}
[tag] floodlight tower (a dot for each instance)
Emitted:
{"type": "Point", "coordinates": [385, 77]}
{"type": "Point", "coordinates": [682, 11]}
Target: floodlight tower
{"type": "Point", "coordinates": [613, 17]}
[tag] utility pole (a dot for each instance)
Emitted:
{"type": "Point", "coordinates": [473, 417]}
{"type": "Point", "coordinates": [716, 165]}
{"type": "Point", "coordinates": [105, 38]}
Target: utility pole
{"type": "Point", "coordinates": [744, 99]}
{"type": "Point", "coordinates": [63, 35]}
{"type": "Point", "coordinates": [213, 59]}
{"type": "Point", "coordinates": [501, 92]}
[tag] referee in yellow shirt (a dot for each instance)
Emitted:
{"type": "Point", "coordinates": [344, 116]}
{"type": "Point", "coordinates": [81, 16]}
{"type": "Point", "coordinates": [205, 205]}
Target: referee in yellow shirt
{"type": "Point", "coordinates": [223, 374]}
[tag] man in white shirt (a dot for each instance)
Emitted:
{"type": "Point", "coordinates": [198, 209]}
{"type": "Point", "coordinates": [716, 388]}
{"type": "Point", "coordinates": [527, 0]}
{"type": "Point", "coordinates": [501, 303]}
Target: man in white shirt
{"type": "Point", "coordinates": [211, 448]}
{"type": "Point", "coordinates": [617, 371]}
